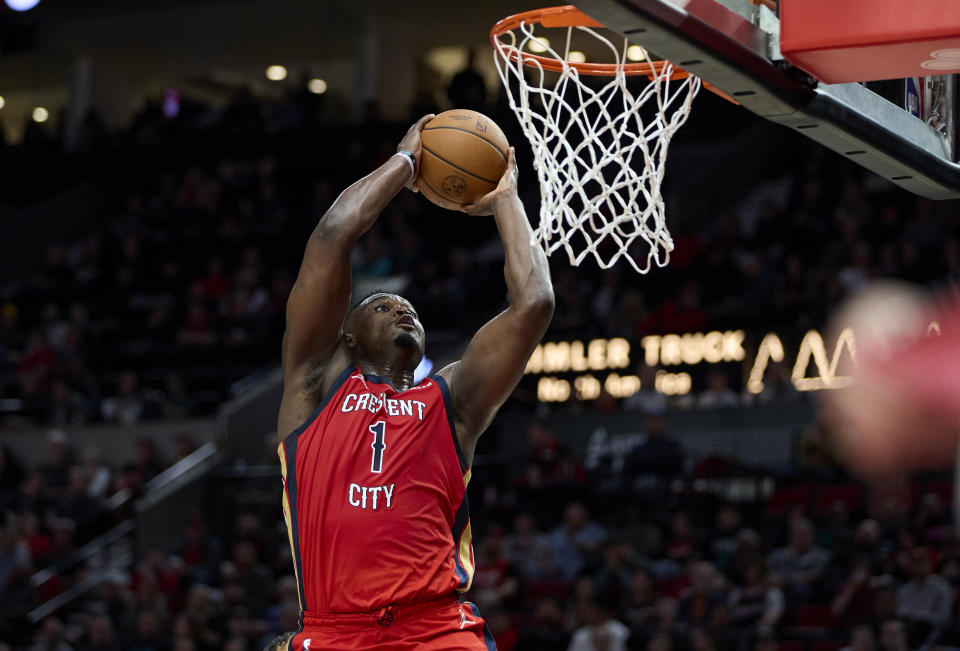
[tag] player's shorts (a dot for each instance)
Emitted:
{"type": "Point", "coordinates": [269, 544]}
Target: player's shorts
{"type": "Point", "coordinates": [436, 625]}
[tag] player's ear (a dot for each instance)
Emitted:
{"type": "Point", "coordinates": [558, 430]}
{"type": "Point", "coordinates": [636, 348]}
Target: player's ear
{"type": "Point", "coordinates": [350, 340]}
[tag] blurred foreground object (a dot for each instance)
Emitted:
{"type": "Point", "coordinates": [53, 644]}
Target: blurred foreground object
{"type": "Point", "coordinates": [902, 410]}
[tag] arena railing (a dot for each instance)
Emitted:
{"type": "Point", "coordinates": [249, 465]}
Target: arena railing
{"type": "Point", "coordinates": [150, 526]}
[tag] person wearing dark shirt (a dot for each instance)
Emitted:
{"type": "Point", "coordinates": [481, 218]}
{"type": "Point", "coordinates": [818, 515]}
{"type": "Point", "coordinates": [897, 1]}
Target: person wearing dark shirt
{"type": "Point", "coordinates": [659, 454]}
{"type": "Point", "coordinates": [467, 89]}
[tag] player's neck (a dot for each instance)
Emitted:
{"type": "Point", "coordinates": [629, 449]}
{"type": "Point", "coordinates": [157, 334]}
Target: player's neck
{"type": "Point", "coordinates": [399, 377]}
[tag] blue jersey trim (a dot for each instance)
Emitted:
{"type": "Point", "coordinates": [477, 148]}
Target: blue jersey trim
{"type": "Point", "coordinates": [290, 450]}
{"type": "Point", "coordinates": [448, 407]}
{"type": "Point", "coordinates": [460, 521]}
{"type": "Point", "coordinates": [487, 635]}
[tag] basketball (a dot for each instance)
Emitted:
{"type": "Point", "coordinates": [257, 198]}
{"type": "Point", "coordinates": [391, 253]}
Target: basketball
{"type": "Point", "coordinates": [464, 155]}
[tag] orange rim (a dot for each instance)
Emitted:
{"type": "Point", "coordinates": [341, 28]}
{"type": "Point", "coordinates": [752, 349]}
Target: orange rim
{"type": "Point", "coordinates": [570, 16]}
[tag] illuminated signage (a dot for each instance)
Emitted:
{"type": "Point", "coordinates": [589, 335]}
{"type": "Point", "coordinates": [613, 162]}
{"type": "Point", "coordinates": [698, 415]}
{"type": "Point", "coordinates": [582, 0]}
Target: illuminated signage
{"type": "Point", "coordinates": [814, 369]}
{"type": "Point", "coordinates": [563, 356]}
{"type": "Point", "coordinates": [712, 347]}
{"type": "Point", "coordinates": [827, 378]}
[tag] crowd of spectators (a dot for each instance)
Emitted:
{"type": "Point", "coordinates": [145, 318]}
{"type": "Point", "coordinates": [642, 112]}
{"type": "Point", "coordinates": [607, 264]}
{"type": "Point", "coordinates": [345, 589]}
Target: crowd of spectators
{"type": "Point", "coordinates": [53, 508]}
{"type": "Point", "coordinates": [177, 288]}
{"type": "Point", "coordinates": [667, 570]}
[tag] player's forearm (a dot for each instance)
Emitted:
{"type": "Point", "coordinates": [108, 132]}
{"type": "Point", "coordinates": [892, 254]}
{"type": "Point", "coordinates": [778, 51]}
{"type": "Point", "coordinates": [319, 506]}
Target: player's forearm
{"type": "Point", "coordinates": [525, 269]}
{"type": "Point", "coordinates": [357, 207]}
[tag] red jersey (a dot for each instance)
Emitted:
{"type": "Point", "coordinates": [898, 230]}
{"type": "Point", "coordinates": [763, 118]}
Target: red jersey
{"type": "Point", "coordinates": [375, 497]}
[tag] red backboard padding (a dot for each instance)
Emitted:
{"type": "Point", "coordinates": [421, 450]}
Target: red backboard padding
{"type": "Point", "coordinates": [866, 40]}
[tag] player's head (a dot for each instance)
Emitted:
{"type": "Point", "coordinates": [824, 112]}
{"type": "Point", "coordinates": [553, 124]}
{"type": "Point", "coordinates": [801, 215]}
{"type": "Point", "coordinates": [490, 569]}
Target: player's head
{"type": "Point", "coordinates": [279, 643]}
{"type": "Point", "coordinates": [380, 325]}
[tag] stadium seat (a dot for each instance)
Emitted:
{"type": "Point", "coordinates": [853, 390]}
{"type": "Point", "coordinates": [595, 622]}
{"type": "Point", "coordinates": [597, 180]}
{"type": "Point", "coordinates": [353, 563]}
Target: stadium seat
{"type": "Point", "coordinates": [827, 645]}
{"type": "Point", "coordinates": [792, 645]}
{"type": "Point", "coordinates": [943, 489]}
{"type": "Point", "coordinates": [786, 497]}
{"type": "Point", "coordinates": [849, 494]}
{"type": "Point", "coordinates": [813, 620]}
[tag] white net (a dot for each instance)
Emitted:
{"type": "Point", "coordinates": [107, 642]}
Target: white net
{"type": "Point", "coordinates": [599, 153]}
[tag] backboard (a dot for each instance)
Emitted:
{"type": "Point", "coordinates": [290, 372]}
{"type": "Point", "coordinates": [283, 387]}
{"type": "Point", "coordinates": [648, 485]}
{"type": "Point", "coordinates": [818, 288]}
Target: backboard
{"type": "Point", "coordinates": [906, 134]}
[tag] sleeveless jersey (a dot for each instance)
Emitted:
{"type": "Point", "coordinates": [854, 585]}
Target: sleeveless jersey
{"type": "Point", "coordinates": [375, 497]}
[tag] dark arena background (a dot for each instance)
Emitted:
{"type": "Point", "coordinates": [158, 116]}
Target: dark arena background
{"type": "Point", "coordinates": [665, 476]}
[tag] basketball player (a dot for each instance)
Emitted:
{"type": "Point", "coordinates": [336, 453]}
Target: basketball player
{"type": "Point", "coordinates": [375, 468]}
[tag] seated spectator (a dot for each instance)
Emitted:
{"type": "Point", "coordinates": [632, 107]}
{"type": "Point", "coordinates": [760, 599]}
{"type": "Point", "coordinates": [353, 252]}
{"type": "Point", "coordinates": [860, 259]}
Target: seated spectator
{"type": "Point", "coordinates": [662, 622]}
{"type": "Point", "coordinates": [725, 637]}
{"type": "Point", "coordinates": [551, 469]}
{"type": "Point", "coordinates": [525, 547]}
{"type": "Point", "coordinates": [149, 634]}
{"type": "Point", "coordinates": [127, 405]}
{"type": "Point", "coordinates": [932, 519]}
{"type": "Point", "coordinates": [494, 579]}
{"type": "Point", "coordinates": [703, 594]}
{"type": "Point", "coordinates": [765, 642]}
{"type": "Point", "coordinates": [855, 600]}
{"type": "Point", "coordinates": [51, 636]}
{"type": "Point", "coordinates": [683, 541]}
{"type": "Point", "coordinates": [203, 612]}
{"type": "Point", "coordinates": [700, 640]}
{"type": "Point", "coordinates": [148, 461]}
{"type": "Point", "coordinates": [545, 631]}
{"type": "Point", "coordinates": [798, 567]}
{"type": "Point", "coordinates": [660, 641]}
{"type": "Point", "coordinates": [718, 392]}
{"type": "Point", "coordinates": [647, 399]}
{"type": "Point", "coordinates": [641, 600]}
{"type": "Point", "coordinates": [75, 503]}
{"type": "Point", "coordinates": [727, 525]}
{"type": "Point", "coordinates": [14, 552]}
{"type": "Point", "coordinates": [37, 539]}
{"type": "Point", "coordinates": [200, 551]}
{"type": "Point", "coordinates": [818, 454]}
{"type": "Point", "coordinates": [253, 575]}
{"type": "Point", "coordinates": [861, 639]}
{"type": "Point", "coordinates": [660, 454]}
{"type": "Point", "coordinates": [60, 459]}
{"type": "Point", "coordinates": [101, 635]}
{"type": "Point", "coordinates": [575, 543]}
{"type": "Point", "coordinates": [927, 598]}
{"type": "Point", "coordinates": [601, 632]}
{"type": "Point", "coordinates": [756, 605]}
{"type": "Point", "coordinates": [893, 636]}
{"type": "Point", "coordinates": [99, 475]}
{"type": "Point", "coordinates": [614, 576]}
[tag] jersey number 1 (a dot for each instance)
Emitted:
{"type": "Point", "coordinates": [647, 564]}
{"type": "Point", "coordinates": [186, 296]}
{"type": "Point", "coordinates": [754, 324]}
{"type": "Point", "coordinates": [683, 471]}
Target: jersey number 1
{"type": "Point", "coordinates": [379, 430]}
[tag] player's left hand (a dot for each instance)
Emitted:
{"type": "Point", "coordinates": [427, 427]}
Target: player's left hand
{"type": "Point", "coordinates": [506, 189]}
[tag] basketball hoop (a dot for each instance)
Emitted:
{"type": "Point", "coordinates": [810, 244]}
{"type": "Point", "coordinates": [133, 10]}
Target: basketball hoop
{"type": "Point", "coordinates": [599, 154]}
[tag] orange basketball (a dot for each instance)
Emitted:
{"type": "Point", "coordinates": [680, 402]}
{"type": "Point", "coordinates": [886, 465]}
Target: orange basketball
{"type": "Point", "coordinates": [463, 157]}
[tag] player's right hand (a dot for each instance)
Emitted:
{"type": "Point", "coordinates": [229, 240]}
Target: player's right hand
{"type": "Point", "coordinates": [506, 188]}
{"type": "Point", "coordinates": [411, 143]}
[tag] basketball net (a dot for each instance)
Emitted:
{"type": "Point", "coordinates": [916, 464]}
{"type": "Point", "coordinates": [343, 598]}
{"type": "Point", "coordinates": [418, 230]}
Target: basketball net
{"type": "Point", "coordinates": [599, 161]}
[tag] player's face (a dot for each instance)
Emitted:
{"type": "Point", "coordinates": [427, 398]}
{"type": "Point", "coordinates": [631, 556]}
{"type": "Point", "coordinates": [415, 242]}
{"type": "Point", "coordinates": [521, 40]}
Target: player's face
{"type": "Point", "coordinates": [391, 318]}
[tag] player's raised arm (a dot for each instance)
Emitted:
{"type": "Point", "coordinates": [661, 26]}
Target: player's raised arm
{"type": "Point", "coordinates": [495, 359]}
{"type": "Point", "coordinates": [320, 296]}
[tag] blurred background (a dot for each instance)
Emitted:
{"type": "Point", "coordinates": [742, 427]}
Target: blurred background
{"type": "Point", "coordinates": [663, 478]}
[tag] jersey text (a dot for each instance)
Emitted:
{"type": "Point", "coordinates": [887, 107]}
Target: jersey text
{"type": "Point", "coordinates": [369, 497]}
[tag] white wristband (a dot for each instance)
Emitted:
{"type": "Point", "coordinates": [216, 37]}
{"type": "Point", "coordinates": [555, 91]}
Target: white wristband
{"type": "Point", "coordinates": [407, 156]}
